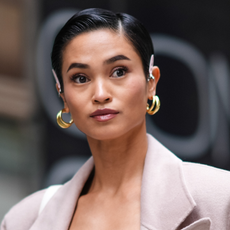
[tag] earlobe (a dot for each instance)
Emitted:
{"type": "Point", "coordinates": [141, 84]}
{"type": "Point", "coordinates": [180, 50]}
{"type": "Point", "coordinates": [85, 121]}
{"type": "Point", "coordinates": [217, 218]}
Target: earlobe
{"type": "Point", "coordinates": [66, 108]}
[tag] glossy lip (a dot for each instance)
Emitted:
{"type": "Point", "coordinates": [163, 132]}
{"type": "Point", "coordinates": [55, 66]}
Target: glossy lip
{"type": "Point", "coordinates": [104, 114]}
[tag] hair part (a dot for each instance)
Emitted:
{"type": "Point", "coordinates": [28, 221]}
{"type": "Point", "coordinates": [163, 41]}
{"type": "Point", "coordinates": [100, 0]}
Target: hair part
{"type": "Point", "coordinates": [93, 19]}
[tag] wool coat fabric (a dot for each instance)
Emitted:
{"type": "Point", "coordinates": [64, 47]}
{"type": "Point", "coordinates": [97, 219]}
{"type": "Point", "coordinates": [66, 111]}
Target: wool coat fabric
{"type": "Point", "coordinates": [175, 195]}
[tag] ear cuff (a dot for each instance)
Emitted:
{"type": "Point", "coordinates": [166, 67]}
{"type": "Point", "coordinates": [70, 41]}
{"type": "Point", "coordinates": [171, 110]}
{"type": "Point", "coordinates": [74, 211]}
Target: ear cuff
{"type": "Point", "coordinates": [151, 64]}
{"type": "Point", "coordinates": [57, 81]}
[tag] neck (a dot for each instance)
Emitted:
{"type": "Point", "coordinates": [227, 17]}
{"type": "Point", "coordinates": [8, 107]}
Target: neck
{"type": "Point", "coordinates": [119, 162]}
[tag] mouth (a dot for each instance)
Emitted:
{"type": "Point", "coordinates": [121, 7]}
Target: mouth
{"type": "Point", "coordinates": [104, 114]}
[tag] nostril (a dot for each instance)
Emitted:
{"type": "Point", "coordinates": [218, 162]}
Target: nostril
{"type": "Point", "coordinates": [102, 100]}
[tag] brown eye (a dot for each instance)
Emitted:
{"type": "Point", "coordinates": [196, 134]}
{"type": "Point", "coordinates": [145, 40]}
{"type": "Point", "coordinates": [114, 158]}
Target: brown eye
{"type": "Point", "coordinates": [119, 72]}
{"type": "Point", "coordinates": [80, 79]}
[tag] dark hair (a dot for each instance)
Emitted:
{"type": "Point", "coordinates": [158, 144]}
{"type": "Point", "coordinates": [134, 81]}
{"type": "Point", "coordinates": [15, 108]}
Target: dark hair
{"type": "Point", "coordinates": [93, 19]}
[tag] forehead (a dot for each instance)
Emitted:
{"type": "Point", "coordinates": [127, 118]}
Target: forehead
{"type": "Point", "coordinates": [98, 45]}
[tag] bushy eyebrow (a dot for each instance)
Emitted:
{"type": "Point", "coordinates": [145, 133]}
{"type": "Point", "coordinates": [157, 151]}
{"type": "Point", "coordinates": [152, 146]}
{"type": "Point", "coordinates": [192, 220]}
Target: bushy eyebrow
{"type": "Point", "coordinates": [109, 61]}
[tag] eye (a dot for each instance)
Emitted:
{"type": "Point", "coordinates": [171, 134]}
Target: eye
{"type": "Point", "coordinates": [120, 72]}
{"type": "Point", "coordinates": [80, 79]}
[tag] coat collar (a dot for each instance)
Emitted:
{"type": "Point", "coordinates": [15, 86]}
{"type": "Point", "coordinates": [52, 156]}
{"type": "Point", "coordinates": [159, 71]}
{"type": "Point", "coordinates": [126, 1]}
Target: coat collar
{"type": "Point", "coordinates": [165, 200]}
{"type": "Point", "coordinates": [58, 212]}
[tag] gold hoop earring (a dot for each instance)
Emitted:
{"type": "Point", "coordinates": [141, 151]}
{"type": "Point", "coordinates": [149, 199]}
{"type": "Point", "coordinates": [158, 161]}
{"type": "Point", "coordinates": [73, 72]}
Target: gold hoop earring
{"type": "Point", "coordinates": [155, 103]}
{"type": "Point", "coordinates": [61, 122]}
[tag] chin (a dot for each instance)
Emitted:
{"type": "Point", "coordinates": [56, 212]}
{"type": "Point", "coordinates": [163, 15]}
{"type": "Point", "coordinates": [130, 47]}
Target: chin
{"type": "Point", "coordinates": [112, 131]}
{"type": "Point", "coordinates": [102, 136]}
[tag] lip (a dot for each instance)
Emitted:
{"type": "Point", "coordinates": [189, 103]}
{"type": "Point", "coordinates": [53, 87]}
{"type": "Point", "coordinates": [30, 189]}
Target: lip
{"type": "Point", "coordinates": [104, 114]}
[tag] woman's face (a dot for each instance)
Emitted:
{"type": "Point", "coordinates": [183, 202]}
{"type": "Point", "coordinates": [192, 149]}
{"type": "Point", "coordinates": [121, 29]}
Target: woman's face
{"type": "Point", "coordinates": [105, 88]}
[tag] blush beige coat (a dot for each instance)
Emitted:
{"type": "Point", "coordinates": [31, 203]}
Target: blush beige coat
{"type": "Point", "coordinates": [174, 195]}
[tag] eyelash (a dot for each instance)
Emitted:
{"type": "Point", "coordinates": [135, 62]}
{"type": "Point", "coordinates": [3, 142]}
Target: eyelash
{"type": "Point", "coordinates": [75, 77]}
{"type": "Point", "coordinates": [124, 69]}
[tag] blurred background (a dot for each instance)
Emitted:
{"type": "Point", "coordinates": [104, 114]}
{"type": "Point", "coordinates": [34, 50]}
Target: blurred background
{"type": "Point", "coordinates": [192, 49]}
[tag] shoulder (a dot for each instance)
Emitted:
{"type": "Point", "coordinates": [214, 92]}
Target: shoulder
{"type": "Point", "coordinates": [209, 187]}
{"type": "Point", "coordinates": [206, 177]}
{"type": "Point", "coordinates": [22, 215]}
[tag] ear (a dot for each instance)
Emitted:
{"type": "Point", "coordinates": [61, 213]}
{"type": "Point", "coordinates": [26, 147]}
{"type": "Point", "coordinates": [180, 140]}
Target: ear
{"type": "Point", "coordinates": [66, 108]}
{"type": "Point", "coordinates": [58, 88]}
{"type": "Point", "coordinates": [152, 83]}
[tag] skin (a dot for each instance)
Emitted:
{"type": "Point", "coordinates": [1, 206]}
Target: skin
{"type": "Point", "coordinates": [118, 145]}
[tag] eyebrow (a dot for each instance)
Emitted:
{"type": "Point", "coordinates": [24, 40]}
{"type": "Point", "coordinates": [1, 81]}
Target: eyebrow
{"type": "Point", "coordinates": [109, 61]}
{"type": "Point", "coordinates": [78, 65]}
{"type": "Point", "coordinates": [116, 58]}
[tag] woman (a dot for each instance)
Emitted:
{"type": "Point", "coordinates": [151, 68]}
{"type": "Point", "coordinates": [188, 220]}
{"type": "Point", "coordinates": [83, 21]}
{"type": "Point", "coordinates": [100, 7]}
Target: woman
{"type": "Point", "coordinates": [103, 65]}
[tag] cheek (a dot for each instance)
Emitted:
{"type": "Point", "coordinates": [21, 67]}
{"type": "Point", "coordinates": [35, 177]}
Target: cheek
{"type": "Point", "coordinates": [75, 102]}
{"type": "Point", "coordinates": [78, 108]}
{"type": "Point", "coordinates": [136, 97]}
{"type": "Point", "coordinates": [134, 102]}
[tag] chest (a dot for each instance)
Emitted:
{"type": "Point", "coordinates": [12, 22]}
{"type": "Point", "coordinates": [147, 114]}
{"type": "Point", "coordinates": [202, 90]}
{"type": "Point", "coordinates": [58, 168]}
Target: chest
{"type": "Point", "coordinates": [106, 214]}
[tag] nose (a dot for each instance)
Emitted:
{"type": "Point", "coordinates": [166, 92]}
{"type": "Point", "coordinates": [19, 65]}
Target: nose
{"type": "Point", "coordinates": [101, 92]}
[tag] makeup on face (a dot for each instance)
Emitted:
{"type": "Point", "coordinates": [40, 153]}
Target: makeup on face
{"type": "Point", "coordinates": [103, 115]}
{"type": "Point", "coordinates": [104, 83]}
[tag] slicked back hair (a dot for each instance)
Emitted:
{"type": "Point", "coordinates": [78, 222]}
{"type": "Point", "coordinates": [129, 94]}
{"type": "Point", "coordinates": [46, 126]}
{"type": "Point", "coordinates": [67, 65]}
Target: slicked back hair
{"type": "Point", "coordinates": [93, 19]}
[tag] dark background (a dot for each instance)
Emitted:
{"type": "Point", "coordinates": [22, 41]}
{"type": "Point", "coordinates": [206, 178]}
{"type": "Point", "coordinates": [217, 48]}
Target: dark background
{"type": "Point", "coordinates": [204, 24]}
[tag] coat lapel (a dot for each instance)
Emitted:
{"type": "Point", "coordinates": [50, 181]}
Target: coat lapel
{"type": "Point", "coordinates": [59, 211]}
{"type": "Point", "coordinates": [202, 224]}
{"type": "Point", "coordinates": [165, 200]}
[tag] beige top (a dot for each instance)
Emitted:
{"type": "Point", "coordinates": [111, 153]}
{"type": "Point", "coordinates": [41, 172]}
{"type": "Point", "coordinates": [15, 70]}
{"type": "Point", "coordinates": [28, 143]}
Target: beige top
{"type": "Point", "coordinates": [174, 195]}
